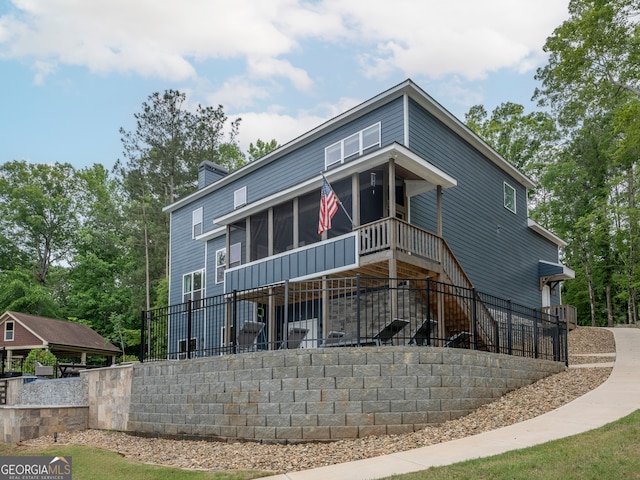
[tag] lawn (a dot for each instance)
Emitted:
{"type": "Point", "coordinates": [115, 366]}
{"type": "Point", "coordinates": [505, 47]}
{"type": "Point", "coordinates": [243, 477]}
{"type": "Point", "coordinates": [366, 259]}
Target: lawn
{"type": "Point", "coordinates": [608, 453]}
{"type": "Point", "coordinates": [611, 452]}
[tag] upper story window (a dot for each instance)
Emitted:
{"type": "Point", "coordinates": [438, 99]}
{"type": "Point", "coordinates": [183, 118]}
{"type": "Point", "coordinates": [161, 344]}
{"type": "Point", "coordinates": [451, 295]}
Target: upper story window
{"type": "Point", "coordinates": [354, 145]}
{"type": "Point", "coordinates": [509, 197]}
{"type": "Point", "coordinates": [196, 222]}
{"type": "Point", "coordinates": [240, 197]}
{"type": "Point", "coordinates": [235, 259]}
{"type": "Point", "coordinates": [193, 286]}
{"type": "Point", "coordinates": [8, 331]}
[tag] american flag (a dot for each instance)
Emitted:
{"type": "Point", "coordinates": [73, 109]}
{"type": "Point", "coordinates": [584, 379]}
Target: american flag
{"type": "Point", "coordinates": [328, 207]}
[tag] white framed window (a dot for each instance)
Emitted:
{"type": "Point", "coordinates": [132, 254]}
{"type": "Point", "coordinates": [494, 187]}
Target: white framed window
{"type": "Point", "coordinates": [8, 331]}
{"type": "Point", "coordinates": [509, 197]}
{"type": "Point", "coordinates": [193, 286]}
{"type": "Point", "coordinates": [240, 197]}
{"type": "Point", "coordinates": [353, 145]}
{"type": "Point", "coordinates": [221, 264]}
{"type": "Point", "coordinates": [182, 347]}
{"type": "Point", "coordinates": [196, 222]}
{"type": "Point", "coordinates": [235, 259]}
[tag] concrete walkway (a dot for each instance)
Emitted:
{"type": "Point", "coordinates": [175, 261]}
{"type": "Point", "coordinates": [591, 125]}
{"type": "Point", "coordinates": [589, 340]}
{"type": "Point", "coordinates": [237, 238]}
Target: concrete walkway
{"type": "Point", "coordinates": [617, 397]}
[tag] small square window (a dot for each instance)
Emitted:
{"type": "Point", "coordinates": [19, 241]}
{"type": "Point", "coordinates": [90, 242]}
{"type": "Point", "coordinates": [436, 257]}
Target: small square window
{"type": "Point", "coordinates": [240, 197]}
{"type": "Point", "coordinates": [509, 197]}
{"type": "Point", "coordinates": [333, 154]}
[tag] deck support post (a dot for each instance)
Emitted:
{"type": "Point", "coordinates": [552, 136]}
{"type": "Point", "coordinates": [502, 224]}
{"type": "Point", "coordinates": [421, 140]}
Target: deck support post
{"type": "Point", "coordinates": [393, 241]}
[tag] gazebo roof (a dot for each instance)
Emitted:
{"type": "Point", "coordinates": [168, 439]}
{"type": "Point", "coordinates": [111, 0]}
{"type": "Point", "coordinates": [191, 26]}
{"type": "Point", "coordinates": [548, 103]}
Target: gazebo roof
{"type": "Point", "coordinates": [61, 336]}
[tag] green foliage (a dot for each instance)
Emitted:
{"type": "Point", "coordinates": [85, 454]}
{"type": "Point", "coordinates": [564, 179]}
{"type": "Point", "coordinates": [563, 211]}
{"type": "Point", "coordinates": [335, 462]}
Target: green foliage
{"type": "Point", "coordinates": [39, 214]}
{"type": "Point", "coordinates": [21, 292]}
{"type": "Point", "coordinates": [45, 357]}
{"type": "Point", "coordinates": [261, 148]}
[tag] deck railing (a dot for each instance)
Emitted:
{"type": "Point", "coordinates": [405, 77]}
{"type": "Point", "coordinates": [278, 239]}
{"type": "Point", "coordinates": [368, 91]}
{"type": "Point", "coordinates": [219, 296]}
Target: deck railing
{"type": "Point", "coordinates": [566, 313]}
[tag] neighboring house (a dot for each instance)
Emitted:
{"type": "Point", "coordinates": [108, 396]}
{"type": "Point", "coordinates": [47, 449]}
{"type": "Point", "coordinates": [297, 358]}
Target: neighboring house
{"type": "Point", "coordinates": [426, 196]}
{"type": "Point", "coordinates": [22, 333]}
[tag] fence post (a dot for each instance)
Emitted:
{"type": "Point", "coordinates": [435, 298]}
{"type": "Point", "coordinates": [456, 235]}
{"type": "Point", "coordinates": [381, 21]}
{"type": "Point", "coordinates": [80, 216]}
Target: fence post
{"type": "Point", "coordinates": [474, 318]}
{"type": "Point", "coordinates": [285, 333]}
{"type": "Point", "coordinates": [358, 307]}
{"type": "Point", "coordinates": [536, 337]}
{"type": "Point", "coordinates": [566, 339]}
{"type": "Point", "coordinates": [189, 326]}
{"type": "Point", "coordinates": [428, 306]}
{"type": "Point", "coordinates": [142, 340]}
{"type": "Point", "coordinates": [509, 329]}
{"type": "Point", "coordinates": [234, 321]}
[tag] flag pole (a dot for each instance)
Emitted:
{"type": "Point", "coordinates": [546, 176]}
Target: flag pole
{"type": "Point", "coordinates": [339, 201]}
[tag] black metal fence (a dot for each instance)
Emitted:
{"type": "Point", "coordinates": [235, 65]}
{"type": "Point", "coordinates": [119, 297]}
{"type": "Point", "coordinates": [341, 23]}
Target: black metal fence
{"type": "Point", "coordinates": [353, 311]}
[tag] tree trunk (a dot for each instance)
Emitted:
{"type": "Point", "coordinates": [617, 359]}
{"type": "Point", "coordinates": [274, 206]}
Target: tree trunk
{"type": "Point", "coordinates": [609, 307]}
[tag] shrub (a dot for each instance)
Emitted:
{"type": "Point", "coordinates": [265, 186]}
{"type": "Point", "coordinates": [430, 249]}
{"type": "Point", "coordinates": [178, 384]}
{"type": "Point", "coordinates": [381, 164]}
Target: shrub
{"type": "Point", "coordinates": [45, 357]}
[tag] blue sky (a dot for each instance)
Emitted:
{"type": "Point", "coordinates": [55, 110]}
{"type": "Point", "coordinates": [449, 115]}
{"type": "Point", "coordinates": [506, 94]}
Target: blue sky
{"type": "Point", "coordinates": [73, 72]}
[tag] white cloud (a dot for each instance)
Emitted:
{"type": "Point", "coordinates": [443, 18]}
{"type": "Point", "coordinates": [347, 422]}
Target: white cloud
{"type": "Point", "coordinates": [274, 125]}
{"type": "Point", "coordinates": [164, 39]}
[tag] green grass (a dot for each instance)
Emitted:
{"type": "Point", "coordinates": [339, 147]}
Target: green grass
{"type": "Point", "coordinates": [608, 453]}
{"type": "Point", "coordinates": [96, 464]}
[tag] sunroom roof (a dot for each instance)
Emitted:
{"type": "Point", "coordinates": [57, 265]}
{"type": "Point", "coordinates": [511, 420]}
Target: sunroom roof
{"type": "Point", "coordinates": [429, 175]}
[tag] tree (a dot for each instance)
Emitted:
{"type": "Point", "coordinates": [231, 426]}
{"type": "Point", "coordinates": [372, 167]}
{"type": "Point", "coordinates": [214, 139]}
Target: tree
{"type": "Point", "coordinates": [529, 141]}
{"type": "Point", "coordinates": [261, 148]}
{"type": "Point", "coordinates": [39, 212]}
{"type": "Point", "coordinates": [162, 156]}
{"type": "Point", "coordinates": [595, 51]}
{"type": "Point", "coordinates": [592, 81]}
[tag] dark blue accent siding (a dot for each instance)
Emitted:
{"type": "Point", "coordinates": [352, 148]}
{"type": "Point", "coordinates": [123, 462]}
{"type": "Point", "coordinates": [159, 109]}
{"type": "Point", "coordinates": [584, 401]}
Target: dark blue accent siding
{"type": "Point", "coordinates": [495, 246]}
{"type": "Point", "coordinates": [320, 257]}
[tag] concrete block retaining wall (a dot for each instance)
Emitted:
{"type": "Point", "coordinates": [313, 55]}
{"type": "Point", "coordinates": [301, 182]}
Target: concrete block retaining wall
{"type": "Point", "coordinates": [321, 394]}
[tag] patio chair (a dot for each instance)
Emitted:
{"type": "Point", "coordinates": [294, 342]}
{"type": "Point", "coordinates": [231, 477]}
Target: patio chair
{"type": "Point", "coordinates": [390, 330]}
{"type": "Point", "coordinates": [247, 336]}
{"type": "Point", "coordinates": [428, 330]}
{"type": "Point", "coordinates": [295, 337]}
{"type": "Point", "coordinates": [459, 340]}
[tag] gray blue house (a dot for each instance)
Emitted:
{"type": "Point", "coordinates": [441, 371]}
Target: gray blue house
{"type": "Point", "coordinates": [422, 197]}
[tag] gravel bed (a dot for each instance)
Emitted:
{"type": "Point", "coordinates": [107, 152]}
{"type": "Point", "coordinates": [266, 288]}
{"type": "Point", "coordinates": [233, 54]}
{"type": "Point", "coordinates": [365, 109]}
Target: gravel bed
{"type": "Point", "coordinates": [516, 406]}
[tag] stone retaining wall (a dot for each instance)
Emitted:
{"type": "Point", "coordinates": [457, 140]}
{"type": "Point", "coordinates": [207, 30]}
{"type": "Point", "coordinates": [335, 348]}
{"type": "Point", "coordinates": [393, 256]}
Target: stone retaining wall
{"type": "Point", "coordinates": [321, 394]}
{"type": "Point", "coordinates": [26, 422]}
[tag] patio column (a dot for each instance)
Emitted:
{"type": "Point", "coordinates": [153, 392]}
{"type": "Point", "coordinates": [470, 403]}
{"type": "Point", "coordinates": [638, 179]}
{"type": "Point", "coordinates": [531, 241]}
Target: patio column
{"type": "Point", "coordinates": [439, 212]}
{"type": "Point", "coordinates": [393, 267]}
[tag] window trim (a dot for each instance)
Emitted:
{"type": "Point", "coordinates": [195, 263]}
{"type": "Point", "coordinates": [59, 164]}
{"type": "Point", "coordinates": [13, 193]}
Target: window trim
{"type": "Point", "coordinates": [240, 197]}
{"type": "Point", "coordinates": [182, 354]}
{"type": "Point", "coordinates": [222, 266]}
{"type": "Point", "coordinates": [509, 189]}
{"type": "Point", "coordinates": [12, 330]}
{"type": "Point", "coordinates": [190, 293]}
{"type": "Point", "coordinates": [196, 219]}
{"type": "Point", "coordinates": [235, 249]}
{"type": "Point", "coordinates": [362, 148]}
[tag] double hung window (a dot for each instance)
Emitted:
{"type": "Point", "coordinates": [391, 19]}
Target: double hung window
{"type": "Point", "coordinates": [8, 331]}
{"type": "Point", "coordinates": [193, 286]}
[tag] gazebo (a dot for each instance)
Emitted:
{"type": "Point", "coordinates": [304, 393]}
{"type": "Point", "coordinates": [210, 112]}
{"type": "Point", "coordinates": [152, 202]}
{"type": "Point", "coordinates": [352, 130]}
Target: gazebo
{"type": "Point", "coordinates": [22, 333]}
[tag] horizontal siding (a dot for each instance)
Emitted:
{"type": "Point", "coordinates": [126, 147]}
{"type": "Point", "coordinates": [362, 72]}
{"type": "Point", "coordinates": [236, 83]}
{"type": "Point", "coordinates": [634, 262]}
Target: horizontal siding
{"type": "Point", "coordinates": [495, 247]}
{"type": "Point", "coordinates": [188, 255]}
